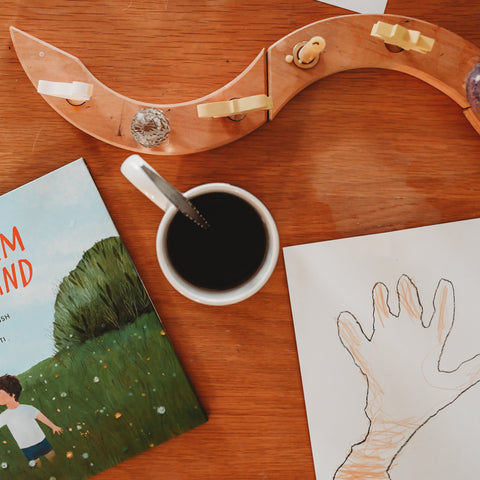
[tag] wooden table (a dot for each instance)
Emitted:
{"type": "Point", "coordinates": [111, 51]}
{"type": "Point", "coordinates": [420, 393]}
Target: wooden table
{"type": "Point", "coordinates": [356, 153]}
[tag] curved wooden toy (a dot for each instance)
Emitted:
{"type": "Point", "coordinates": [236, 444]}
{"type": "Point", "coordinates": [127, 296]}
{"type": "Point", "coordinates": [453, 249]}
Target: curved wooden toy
{"type": "Point", "coordinates": [348, 45]}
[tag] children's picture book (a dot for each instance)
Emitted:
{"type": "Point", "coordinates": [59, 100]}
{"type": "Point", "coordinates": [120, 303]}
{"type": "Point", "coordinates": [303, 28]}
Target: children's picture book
{"type": "Point", "coordinates": [88, 375]}
{"type": "Point", "coordinates": [388, 336]}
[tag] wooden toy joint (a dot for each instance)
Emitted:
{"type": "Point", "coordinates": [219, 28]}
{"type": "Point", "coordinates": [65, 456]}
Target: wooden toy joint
{"type": "Point", "coordinates": [255, 96]}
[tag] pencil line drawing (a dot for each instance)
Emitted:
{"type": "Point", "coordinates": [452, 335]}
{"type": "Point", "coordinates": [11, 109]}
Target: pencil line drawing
{"type": "Point", "coordinates": [401, 363]}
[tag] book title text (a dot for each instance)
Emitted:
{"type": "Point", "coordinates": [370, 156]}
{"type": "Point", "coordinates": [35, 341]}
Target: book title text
{"type": "Point", "coordinates": [18, 273]}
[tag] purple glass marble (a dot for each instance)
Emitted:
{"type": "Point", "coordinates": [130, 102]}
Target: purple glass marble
{"type": "Point", "coordinates": [473, 88]}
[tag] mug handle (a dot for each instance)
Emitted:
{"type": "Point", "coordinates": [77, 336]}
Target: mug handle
{"type": "Point", "coordinates": [132, 170]}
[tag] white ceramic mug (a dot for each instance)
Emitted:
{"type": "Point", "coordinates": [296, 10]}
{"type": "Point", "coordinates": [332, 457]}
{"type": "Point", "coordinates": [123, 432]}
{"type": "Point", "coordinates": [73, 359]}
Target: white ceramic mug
{"type": "Point", "coordinates": [132, 170]}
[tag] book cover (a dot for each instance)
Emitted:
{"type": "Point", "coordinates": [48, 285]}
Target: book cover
{"type": "Point", "coordinates": [387, 329]}
{"type": "Point", "coordinates": [88, 376]}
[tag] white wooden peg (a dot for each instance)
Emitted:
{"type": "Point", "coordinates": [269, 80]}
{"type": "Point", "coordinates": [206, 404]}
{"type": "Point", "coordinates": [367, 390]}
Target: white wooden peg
{"type": "Point", "coordinates": [77, 91]}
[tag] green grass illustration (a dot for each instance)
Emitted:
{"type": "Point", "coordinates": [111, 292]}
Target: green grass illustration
{"type": "Point", "coordinates": [115, 385]}
{"type": "Point", "coordinates": [114, 396]}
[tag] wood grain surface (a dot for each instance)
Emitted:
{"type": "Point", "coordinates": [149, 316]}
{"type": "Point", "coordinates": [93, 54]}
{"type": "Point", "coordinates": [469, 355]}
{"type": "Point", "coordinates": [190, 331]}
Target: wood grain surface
{"type": "Point", "coordinates": [358, 152]}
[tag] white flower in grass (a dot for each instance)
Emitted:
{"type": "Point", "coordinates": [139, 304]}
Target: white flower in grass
{"type": "Point", "coordinates": [96, 379]}
{"type": "Point", "coordinates": [4, 465]}
{"type": "Point", "coordinates": [161, 410]}
{"type": "Point", "coordinates": [85, 455]}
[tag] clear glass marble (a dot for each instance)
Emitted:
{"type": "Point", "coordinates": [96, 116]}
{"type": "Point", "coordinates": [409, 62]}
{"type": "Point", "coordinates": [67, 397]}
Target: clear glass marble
{"type": "Point", "coordinates": [150, 127]}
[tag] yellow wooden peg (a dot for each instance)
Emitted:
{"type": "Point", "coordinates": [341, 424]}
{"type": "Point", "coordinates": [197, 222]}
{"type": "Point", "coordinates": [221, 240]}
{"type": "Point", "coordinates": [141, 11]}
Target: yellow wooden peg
{"type": "Point", "coordinates": [306, 54]}
{"type": "Point", "coordinates": [311, 50]}
{"type": "Point", "coordinates": [235, 106]}
{"type": "Point", "coordinates": [402, 37]}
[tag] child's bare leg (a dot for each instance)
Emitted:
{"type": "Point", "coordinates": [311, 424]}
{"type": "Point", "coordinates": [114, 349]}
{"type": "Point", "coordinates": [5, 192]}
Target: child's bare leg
{"type": "Point", "coordinates": [50, 455]}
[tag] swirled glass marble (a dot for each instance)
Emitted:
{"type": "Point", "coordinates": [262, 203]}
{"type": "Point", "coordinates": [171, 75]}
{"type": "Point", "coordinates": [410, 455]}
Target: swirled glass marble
{"type": "Point", "coordinates": [150, 127]}
{"type": "Point", "coordinates": [473, 88]}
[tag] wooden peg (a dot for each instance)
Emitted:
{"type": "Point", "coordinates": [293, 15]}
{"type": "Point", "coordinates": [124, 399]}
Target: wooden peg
{"type": "Point", "coordinates": [402, 37]}
{"type": "Point", "coordinates": [306, 54]}
{"type": "Point", "coordinates": [235, 106]}
{"type": "Point", "coordinates": [77, 91]}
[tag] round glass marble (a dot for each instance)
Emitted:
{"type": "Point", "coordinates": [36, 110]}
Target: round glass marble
{"type": "Point", "coordinates": [150, 127]}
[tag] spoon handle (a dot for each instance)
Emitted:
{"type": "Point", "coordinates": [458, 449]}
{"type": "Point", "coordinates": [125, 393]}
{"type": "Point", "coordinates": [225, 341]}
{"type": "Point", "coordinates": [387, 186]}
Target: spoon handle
{"type": "Point", "coordinates": [158, 190]}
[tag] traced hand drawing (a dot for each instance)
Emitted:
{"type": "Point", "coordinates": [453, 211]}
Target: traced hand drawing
{"type": "Point", "coordinates": [406, 385]}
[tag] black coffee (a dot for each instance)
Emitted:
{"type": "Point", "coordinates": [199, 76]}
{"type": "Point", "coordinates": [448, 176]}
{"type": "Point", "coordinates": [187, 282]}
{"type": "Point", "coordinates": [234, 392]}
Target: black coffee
{"type": "Point", "coordinates": [225, 255]}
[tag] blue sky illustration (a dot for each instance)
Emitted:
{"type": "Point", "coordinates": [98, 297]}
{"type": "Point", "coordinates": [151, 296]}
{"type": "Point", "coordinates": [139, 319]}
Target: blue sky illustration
{"type": "Point", "coordinates": [59, 216]}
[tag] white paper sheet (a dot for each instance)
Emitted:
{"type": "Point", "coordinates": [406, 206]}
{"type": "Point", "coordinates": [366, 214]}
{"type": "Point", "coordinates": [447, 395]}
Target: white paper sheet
{"type": "Point", "coordinates": [328, 278]}
{"type": "Point", "coordinates": [360, 6]}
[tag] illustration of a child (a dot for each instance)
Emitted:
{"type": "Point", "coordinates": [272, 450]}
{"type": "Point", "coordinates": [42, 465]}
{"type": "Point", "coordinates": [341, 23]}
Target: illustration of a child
{"type": "Point", "coordinates": [22, 422]}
